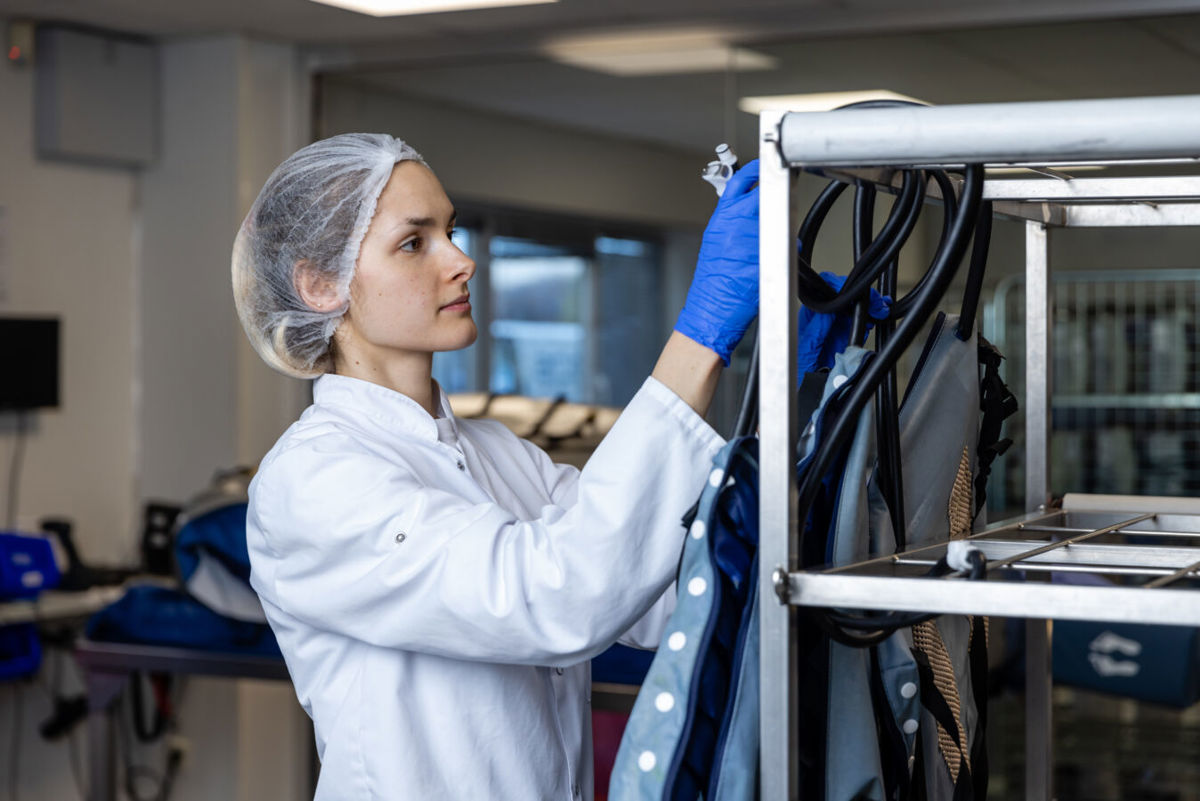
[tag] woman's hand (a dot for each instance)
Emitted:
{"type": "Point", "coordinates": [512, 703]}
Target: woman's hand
{"type": "Point", "coordinates": [723, 298]}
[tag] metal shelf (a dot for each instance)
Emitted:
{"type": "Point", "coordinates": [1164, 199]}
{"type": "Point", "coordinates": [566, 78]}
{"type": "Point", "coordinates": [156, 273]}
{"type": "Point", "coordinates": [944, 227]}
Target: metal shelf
{"type": "Point", "coordinates": [867, 145]}
{"type": "Point", "coordinates": [1137, 552]}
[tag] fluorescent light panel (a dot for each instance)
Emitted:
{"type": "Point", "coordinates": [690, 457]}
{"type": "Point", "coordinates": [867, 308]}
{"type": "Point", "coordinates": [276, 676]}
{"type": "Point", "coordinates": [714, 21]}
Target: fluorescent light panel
{"type": "Point", "coordinates": [656, 53]}
{"type": "Point", "coordinates": [817, 101]}
{"type": "Point", "coordinates": [395, 8]}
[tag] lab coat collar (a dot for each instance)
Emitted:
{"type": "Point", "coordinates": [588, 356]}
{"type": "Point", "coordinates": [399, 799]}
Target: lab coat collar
{"type": "Point", "coordinates": [387, 407]}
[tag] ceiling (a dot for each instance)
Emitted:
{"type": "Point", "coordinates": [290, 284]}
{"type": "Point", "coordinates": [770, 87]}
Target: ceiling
{"type": "Point", "coordinates": [942, 51]}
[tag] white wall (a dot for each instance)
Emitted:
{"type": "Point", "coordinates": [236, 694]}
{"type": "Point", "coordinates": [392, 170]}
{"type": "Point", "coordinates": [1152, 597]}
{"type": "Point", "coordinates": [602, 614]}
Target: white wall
{"type": "Point", "coordinates": [159, 388]}
{"type": "Point", "coordinates": [71, 250]}
{"type": "Point", "coordinates": [232, 110]}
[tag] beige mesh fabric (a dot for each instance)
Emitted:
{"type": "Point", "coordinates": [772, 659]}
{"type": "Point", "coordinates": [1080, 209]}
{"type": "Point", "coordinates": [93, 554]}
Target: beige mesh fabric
{"type": "Point", "coordinates": [960, 499]}
{"type": "Point", "coordinates": [928, 639]}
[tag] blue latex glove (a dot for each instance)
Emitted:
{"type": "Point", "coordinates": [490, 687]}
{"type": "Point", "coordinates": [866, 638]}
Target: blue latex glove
{"type": "Point", "coordinates": [723, 298]}
{"type": "Point", "coordinates": [823, 336]}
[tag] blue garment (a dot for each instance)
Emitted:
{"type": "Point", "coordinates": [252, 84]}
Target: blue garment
{"type": "Point", "coordinates": [694, 728]}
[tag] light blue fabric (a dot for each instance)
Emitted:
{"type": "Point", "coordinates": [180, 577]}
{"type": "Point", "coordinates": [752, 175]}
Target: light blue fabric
{"type": "Point", "coordinates": [853, 768]}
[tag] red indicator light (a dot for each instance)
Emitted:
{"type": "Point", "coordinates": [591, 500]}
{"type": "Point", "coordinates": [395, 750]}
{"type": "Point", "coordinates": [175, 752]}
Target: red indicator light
{"type": "Point", "coordinates": [14, 53]}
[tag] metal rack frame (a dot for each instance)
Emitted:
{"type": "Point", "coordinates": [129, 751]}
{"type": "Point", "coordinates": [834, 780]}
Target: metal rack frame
{"type": "Point", "coordinates": [865, 143]}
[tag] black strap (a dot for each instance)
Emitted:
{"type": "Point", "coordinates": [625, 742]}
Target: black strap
{"type": "Point", "coordinates": [979, 687]}
{"type": "Point", "coordinates": [933, 700]}
{"type": "Point", "coordinates": [997, 403]}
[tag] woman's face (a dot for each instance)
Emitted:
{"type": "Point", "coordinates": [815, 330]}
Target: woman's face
{"type": "Point", "coordinates": [409, 291]}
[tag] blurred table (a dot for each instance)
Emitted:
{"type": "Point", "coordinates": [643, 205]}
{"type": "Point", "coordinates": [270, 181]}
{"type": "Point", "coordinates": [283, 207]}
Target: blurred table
{"type": "Point", "coordinates": [107, 668]}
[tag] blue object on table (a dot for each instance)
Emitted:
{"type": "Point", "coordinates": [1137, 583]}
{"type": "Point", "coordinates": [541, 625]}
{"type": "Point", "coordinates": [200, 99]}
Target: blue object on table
{"type": "Point", "coordinates": [158, 616]}
{"type": "Point", "coordinates": [27, 566]}
{"type": "Point", "coordinates": [1149, 663]}
{"type": "Point", "coordinates": [20, 651]}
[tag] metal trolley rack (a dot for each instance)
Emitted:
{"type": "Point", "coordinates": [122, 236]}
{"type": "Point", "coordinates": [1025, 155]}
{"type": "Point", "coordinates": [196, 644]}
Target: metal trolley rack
{"type": "Point", "coordinates": [1090, 533]}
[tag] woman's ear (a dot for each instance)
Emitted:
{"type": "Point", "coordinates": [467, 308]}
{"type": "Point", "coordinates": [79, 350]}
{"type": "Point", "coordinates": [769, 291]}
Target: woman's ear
{"type": "Point", "coordinates": [318, 291]}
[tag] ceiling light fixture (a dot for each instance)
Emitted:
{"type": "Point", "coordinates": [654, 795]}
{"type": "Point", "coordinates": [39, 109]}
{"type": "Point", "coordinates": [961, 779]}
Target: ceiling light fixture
{"type": "Point", "coordinates": [817, 101]}
{"type": "Point", "coordinates": [395, 8]}
{"type": "Point", "coordinates": [657, 53]}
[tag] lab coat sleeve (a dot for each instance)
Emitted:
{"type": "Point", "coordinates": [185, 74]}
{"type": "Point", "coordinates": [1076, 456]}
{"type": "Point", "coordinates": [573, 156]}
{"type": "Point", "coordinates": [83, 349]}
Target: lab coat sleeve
{"type": "Point", "coordinates": [468, 580]}
{"type": "Point", "coordinates": [561, 481]}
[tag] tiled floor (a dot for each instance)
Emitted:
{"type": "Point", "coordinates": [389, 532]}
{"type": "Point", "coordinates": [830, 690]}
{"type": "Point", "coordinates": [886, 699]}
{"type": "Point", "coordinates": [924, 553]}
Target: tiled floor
{"type": "Point", "coordinates": [1107, 749]}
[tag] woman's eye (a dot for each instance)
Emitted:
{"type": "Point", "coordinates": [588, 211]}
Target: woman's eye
{"type": "Point", "coordinates": [411, 245]}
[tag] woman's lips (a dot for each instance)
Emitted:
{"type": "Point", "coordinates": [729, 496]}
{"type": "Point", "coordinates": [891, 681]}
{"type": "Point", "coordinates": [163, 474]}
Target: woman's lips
{"type": "Point", "coordinates": [459, 305]}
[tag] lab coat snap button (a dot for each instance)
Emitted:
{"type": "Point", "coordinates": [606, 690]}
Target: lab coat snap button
{"type": "Point", "coordinates": [461, 466]}
{"type": "Point", "coordinates": [401, 536]}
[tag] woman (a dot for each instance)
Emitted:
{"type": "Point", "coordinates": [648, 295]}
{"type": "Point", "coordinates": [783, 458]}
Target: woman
{"type": "Point", "coordinates": [437, 585]}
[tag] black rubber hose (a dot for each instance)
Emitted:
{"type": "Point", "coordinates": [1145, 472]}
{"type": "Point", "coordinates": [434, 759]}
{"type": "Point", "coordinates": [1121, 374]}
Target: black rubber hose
{"type": "Point", "coordinates": [747, 419]}
{"type": "Point", "coordinates": [874, 260]}
{"type": "Point", "coordinates": [887, 423]}
{"type": "Point", "coordinates": [974, 288]}
{"type": "Point", "coordinates": [864, 225]}
{"type": "Point", "coordinates": [837, 430]}
{"type": "Point", "coordinates": [810, 285]}
{"type": "Point", "coordinates": [949, 213]}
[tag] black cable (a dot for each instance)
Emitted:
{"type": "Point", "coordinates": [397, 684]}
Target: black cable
{"type": "Point", "coordinates": [878, 255]}
{"type": "Point", "coordinates": [14, 472]}
{"type": "Point", "coordinates": [747, 418]}
{"type": "Point", "coordinates": [887, 424]}
{"type": "Point", "coordinates": [942, 273]}
{"type": "Point", "coordinates": [809, 283]}
{"type": "Point", "coordinates": [901, 306]}
{"type": "Point", "coordinates": [864, 222]}
{"type": "Point", "coordinates": [843, 411]}
{"type": "Point", "coordinates": [974, 288]}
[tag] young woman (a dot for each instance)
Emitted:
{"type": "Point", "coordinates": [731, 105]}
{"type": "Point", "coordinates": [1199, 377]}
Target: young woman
{"type": "Point", "coordinates": [437, 585]}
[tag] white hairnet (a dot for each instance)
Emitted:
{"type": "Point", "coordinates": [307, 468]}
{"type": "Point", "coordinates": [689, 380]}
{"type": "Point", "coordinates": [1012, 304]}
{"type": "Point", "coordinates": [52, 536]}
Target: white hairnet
{"type": "Point", "coordinates": [315, 208]}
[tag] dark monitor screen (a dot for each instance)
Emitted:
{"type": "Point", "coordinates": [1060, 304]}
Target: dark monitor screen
{"type": "Point", "coordinates": [29, 377]}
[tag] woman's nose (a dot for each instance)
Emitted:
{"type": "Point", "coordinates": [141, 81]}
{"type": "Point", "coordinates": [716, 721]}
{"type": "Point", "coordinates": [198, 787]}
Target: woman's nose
{"type": "Point", "coordinates": [464, 266]}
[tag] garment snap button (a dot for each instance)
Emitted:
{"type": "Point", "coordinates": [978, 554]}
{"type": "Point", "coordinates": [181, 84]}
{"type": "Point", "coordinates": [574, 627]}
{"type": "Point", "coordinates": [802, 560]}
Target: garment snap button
{"type": "Point", "coordinates": [460, 465]}
{"type": "Point", "coordinates": [401, 537]}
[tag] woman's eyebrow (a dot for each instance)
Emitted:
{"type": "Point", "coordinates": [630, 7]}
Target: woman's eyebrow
{"type": "Point", "coordinates": [422, 222]}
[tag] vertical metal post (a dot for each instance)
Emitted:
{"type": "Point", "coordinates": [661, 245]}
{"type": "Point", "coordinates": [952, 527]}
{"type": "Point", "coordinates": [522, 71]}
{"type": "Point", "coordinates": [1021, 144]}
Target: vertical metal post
{"type": "Point", "coordinates": [1037, 366]}
{"type": "Point", "coordinates": [1039, 723]}
{"type": "Point", "coordinates": [777, 458]}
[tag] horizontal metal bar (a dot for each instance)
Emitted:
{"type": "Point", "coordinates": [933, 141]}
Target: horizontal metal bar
{"type": "Point", "coordinates": [1168, 400]}
{"type": "Point", "coordinates": [996, 598]}
{"type": "Point", "coordinates": [996, 133]}
{"type": "Point", "coordinates": [1132, 216]}
{"type": "Point", "coordinates": [1163, 189]}
{"type": "Point", "coordinates": [1099, 557]}
{"type": "Point", "coordinates": [1133, 532]}
{"type": "Point", "coordinates": [990, 530]}
{"type": "Point", "coordinates": [1059, 567]}
{"type": "Point", "coordinates": [1066, 543]}
{"type": "Point", "coordinates": [1126, 504]}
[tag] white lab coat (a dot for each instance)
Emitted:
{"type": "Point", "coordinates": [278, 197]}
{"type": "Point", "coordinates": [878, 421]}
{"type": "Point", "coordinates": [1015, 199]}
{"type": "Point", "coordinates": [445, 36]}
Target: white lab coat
{"type": "Point", "coordinates": [437, 586]}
